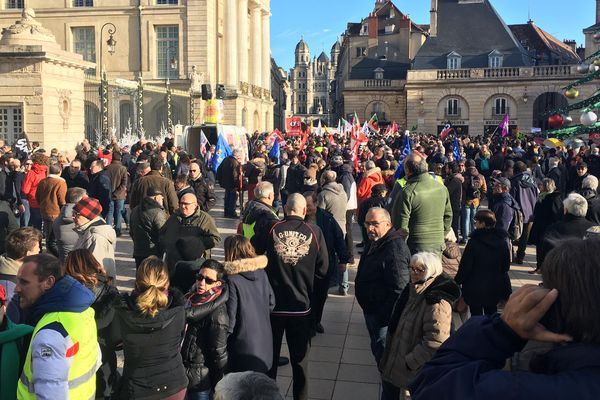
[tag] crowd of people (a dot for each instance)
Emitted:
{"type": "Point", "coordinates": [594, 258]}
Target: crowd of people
{"type": "Point", "coordinates": [194, 327]}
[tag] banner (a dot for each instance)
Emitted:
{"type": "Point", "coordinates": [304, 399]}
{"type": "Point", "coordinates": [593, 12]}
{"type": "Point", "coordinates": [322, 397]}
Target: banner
{"type": "Point", "coordinates": [293, 126]}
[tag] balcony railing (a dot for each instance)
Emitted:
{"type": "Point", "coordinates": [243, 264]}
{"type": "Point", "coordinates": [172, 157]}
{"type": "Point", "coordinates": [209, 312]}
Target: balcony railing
{"type": "Point", "coordinates": [500, 111]}
{"type": "Point", "coordinates": [501, 72]}
{"type": "Point", "coordinates": [452, 113]}
{"type": "Point", "coordinates": [509, 73]}
{"type": "Point", "coordinates": [445, 74]}
{"type": "Point", "coordinates": [552, 70]}
{"type": "Point", "coordinates": [377, 83]}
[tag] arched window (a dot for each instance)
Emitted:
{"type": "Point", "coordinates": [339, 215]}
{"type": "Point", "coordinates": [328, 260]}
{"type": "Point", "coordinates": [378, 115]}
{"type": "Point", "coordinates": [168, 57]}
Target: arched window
{"type": "Point", "coordinates": [125, 116]}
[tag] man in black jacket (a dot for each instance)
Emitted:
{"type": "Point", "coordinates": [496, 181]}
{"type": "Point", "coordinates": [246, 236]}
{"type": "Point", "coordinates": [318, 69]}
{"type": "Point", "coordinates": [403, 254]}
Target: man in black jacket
{"type": "Point", "coordinates": [297, 256]}
{"type": "Point", "coordinates": [229, 177]}
{"type": "Point", "coordinates": [100, 186]}
{"type": "Point", "coordinates": [147, 219]}
{"type": "Point", "coordinates": [382, 275]}
{"type": "Point", "coordinates": [259, 216]}
{"type": "Point", "coordinates": [74, 176]}
{"type": "Point", "coordinates": [204, 188]}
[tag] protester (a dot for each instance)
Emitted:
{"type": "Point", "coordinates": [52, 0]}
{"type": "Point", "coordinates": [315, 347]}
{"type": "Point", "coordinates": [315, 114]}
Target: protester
{"type": "Point", "coordinates": [154, 179]}
{"type": "Point", "coordinates": [229, 175]}
{"type": "Point", "coordinates": [371, 177]}
{"type": "Point", "coordinates": [503, 205]}
{"type": "Point", "coordinates": [525, 192]}
{"type": "Point", "coordinates": [474, 189]}
{"type": "Point", "coordinates": [50, 196]}
{"type": "Point", "coordinates": [147, 219]}
{"type": "Point", "coordinates": [589, 190]}
{"type": "Point", "coordinates": [63, 227]}
{"type": "Point", "coordinates": [377, 199]}
{"type": "Point", "coordinates": [454, 182]}
{"type": "Point", "coordinates": [74, 176]}
{"type": "Point", "coordinates": [203, 188]}
{"type": "Point", "coordinates": [251, 300]}
{"type": "Point", "coordinates": [37, 172]}
{"type": "Point", "coordinates": [247, 385]}
{"type": "Point", "coordinates": [118, 178]}
{"type": "Point", "coordinates": [259, 216]}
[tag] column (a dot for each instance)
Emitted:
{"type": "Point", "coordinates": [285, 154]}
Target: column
{"type": "Point", "coordinates": [243, 42]}
{"type": "Point", "coordinates": [231, 40]}
{"type": "Point", "coordinates": [266, 51]}
{"type": "Point", "coordinates": [256, 45]}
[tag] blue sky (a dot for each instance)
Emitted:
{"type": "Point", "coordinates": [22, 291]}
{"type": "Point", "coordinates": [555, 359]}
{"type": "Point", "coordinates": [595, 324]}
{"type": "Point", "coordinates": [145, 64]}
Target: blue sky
{"type": "Point", "coordinates": [322, 21]}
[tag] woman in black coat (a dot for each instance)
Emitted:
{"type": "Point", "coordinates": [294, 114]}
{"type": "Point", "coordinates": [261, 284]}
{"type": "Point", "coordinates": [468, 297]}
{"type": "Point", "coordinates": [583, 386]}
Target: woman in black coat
{"type": "Point", "coordinates": [83, 266]}
{"type": "Point", "coordinates": [151, 321]}
{"type": "Point", "coordinates": [251, 300]}
{"type": "Point", "coordinates": [204, 348]}
{"type": "Point", "coordinates": [483, 269]}
{"type": "Point", "coordinates": [548, 210]}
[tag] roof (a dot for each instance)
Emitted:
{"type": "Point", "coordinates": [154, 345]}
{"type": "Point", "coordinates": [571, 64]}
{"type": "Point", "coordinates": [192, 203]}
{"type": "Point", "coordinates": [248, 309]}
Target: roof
{"type": "Point", "coordinates": [539, 42]}
{"type": "Point", "coordinates": [473, 30]}
{"type": "Point", "coordinates": [336, 46]}
{"type": "Point", "coordinates": [592, 28]}
{"type": "Point", "coordinates": [365, 69]}
{"type": "Point", "coordinates": [323, 57]}
{"type": "Point", "coordinates": [302, 46]}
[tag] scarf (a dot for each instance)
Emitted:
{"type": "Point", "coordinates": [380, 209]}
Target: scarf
{"type": "Point", "coordinates": [194, 299]}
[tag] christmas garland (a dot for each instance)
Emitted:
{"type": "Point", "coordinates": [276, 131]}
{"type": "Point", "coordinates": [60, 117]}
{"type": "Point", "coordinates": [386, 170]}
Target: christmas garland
{"type": "Point", "coordinates": [588, 104]}
{"type": "Point", "coordinates": [586, 79]}
{"type": "Point", "coordinates": [573, 130]}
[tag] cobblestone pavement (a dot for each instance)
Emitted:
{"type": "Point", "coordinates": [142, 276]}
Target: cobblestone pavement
{"type": "Point", "coordinates": [341, 366]}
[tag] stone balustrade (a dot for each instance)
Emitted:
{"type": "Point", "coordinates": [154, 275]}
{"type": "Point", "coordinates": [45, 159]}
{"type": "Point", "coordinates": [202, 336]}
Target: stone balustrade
{"type": "Point", "coordinates": [508, 73]}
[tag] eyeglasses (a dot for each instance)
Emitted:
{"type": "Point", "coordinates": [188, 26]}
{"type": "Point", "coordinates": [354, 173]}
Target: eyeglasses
{"type": "Point", "coordinates": [373, 223]}
{"type": "Point", "coordinates": [417, 269]}
{"type": "Point", "coordinates": [194, 170]}
{"type": "Point", "coordinates": [181, 203]}
{"type": "Point", "coordinates": [206, 279]}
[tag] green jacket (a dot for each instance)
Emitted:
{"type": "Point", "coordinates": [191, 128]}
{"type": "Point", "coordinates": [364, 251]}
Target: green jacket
{"type": "Point", "coordinates": [425, 213]}
{"type": "Point", "coordinates": [11, 342]}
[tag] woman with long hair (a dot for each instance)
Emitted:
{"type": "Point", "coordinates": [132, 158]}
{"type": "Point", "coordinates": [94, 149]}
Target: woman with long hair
{"type": "Point", "coordinates": [83, 266]}
{"type": "Point", "coordinates": [152, 321]}
{"type": "Point", "coordinates": [251, 299]}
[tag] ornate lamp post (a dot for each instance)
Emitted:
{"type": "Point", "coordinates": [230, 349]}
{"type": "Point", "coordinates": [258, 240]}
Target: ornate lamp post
{"type": "Point", "coordinates": [170, 63]}
{"type": "Point", "coordinates": [111, 44]}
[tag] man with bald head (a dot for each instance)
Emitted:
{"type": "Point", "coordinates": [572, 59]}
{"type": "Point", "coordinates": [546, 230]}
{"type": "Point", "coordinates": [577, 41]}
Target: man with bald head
{"type": "Point", "coordinates": [297, 256]}
{"type": "Point", "coordinates": [187, 221]}
{"type": "Point", "coordinates": [382, 275]}
{"type": "Point", "coordinates": [423, 210]}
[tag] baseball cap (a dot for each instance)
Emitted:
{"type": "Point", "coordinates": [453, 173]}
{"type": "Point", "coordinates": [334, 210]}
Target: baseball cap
{"type": "Point", "coordinates": [502, 181]}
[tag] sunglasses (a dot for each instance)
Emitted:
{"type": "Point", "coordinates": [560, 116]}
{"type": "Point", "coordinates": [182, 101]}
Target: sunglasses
{"type": "Point", "coordinates": [206, 279]}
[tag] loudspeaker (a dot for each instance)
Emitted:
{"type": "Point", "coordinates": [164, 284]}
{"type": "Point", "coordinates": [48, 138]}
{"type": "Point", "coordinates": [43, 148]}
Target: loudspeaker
{"type": "Point", "coordinates": [220, 92]}
{"type": "Point", "coordinates": [206, 92]}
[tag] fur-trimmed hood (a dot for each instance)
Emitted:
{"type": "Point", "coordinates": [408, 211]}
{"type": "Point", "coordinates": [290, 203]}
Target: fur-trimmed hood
{"type": "Point", "coordinates": [245, 265]}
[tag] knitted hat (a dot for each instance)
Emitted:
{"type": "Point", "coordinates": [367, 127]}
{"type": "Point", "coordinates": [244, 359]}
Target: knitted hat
{"type": "Point", "coordinates": [88, 207]}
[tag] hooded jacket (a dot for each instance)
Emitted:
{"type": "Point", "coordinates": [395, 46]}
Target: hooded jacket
{"type": "Point", "coordinates": [503, 205]}
{"type": "Point", "coordinates": [333, 199]}
{"type": "Point", "coordinates": [420, 323]}
{"type": "Point", "coordinates": [525, 192]}
{"type": "Point", "coordinates": [63, 228]}
{"type": "Point", "coordinates": [146, 221]}
{"type": "Point", "coordinates": [153, 366]}
{"type": "Point", "coordinates": [100, 239]}
{"type": "Point", "coordinates": [204, 348]}
{"type": "Point", "coordinates": [204, 191]}
{"type": "Point", "coordinates": [251, 299]}
{"type": "Point", "coordinates": [472, 363]}
{"type": "Point", "coordinates": [346, 178]}
{"type": "Point", "coordinates": [30, 184]}
{"type": "Point", "coordinates": [382, 275]}
{"type": "Point", "coordinates": [483, 269]}
{"type": "Point", "coordinates": [371, 178]}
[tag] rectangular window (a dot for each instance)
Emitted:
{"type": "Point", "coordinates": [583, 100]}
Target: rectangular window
{"type": "Point", "coordinates": [167, 2]}
{"type": "Point", "coordinates": [454, 63]}
{"type": "Point", "coordinates": [15, 3]}
{"type": "Point", "coordinates": [452, 108]}
{"type": "Point", "coordinates": [500, 106]}
{"type": "Point", "coordinates": [496, 62]}
{"type": "Point", "coordinates": [360, 51]}
{"type": "Point", "coordinates": [167, 41]}
{"type": "Point", "coordinates": [84, 43]}
{"type": "Point", "coordinates": [11, 124]}
{"type": "Point", "coordinates": [83, 3]}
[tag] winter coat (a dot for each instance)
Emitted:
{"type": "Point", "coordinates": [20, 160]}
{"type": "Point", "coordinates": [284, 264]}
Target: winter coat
{"type": "Point", "coordinates": [100, 189]}
{"type": "Point", "coordinates": [382, 275]}
{"type": "Point", "coordinates": [546, 212]}
{"type": "Point", "coordinates": [153, 368]}
{"type": "Point", "coordinates": [451, 257]}
{"type": "Point", "coordinates": [30, 184]}
{"type": "Point", "coordinates": [472, 363]}
{"type": "Point", "coordinates": [205, 193]}
{"type": "Point", "coordinates": [100, 239]}
{"type": "Point", "coordinates": [371, 178]}
{"type": "Point", "coordinates": [525, 192]}
{"type": "Point", "coordinates": [333, 199]}
{"type": "Point", "coordinates": [365, 206]}
{"type": "Point", "coordinates": [335, 241]}
{"type": "Point", "coordinates": [154, 179]}
{"type": "Point", "coordinates": [425, 213]}
{"type": "Point", "coordinates": [13, 341]}
{"type": "Point", "coordinates": [145, 223]}
{"type": "Point", "coordinates": [455, 191]}
{"type": "Point", "coordinates": [50, 195]}
{"type": "Point", "coordinates": [8, 223]}
{"type": "Point", "coordinates": [469, 202]}
{"type": "Point", "coordinates": [297, 255]}
{"type": "Point", "coordinates": [118, 178]}
{"type": "Point", "coordinates": [251, 299]}
{"type": "Point", "coordinates": [419, 325]}
{"type": "Point", "coordinates": [346, 178]}
{"type": "Point", "coordinates": [569, 227]}
{"type": "Point", "coordinates": [228, 173]}
{"type": "Point", "coordinates": [558, 175]}
{"type": "Point", "coordinates": [64, 233]}
{"type": "Point", "coordinates": [263, 217]}
{"type": "Point", "coordinates": [199, 224]}
{"type": "Point", "coordinates": [294, 181]}
{"type": "Point", "coordinates": [483, 269]}
{"type": "Point", "coordinates": [79, 180]}
{"type": "Point", "coordinates": [503, 205]}
{"type": "Point", "coordinates": [204, 348]}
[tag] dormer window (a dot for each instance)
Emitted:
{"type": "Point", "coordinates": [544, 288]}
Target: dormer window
{"type": "Point", "coordinates": [454, 60]}
{"type": "Point", "coordinates": [379, 73]}
{"type": "Point", "coordinates": [392, 13]}
{"type": "Point", "coordinates": [390, 28]}
{"type": "Point", "coordinates": [495, 59]}
{"type": "Point", "coordinates": [365, 30]}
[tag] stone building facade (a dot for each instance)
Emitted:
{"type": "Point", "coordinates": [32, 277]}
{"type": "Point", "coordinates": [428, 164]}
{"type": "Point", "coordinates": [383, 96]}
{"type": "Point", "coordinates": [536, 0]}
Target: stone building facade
{"type": "Point", "coordinates": [227, 40]}
{"type": "Point", "coordinates": [281, 93]}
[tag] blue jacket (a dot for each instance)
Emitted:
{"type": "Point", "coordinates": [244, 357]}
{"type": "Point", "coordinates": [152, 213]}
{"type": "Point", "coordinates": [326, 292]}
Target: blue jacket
{"type": "Point", "coordinates": [469, 366]}
{"type": "Point", "coordinates": [100, 188]}
{"type": "Point", "coordinates": [525, 192]}
{"type": "Point", "coordinates": [502, 205]}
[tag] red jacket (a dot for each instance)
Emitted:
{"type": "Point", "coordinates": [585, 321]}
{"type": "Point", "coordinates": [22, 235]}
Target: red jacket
{"type": "Point", "coordinates": [30, 184]}
{"type": "Point", "coordinates": [371, 178]}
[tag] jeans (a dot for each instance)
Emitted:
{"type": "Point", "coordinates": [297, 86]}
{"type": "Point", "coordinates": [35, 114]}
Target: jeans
{"type": "Point", "coordinates": [115, 214]}
{"type": "Point", "coordinates": [467, 220]}
{"type": "Point", "coordinates": [35, 218]}
{"type": "Point", "coordinates": [204, 395]}
{"type": "Point", "coordinates": [297, 333]}
{"type": "Point", "coordinates": [342, 280]}
{"type": "Point", "coordinates": [377, 333]}
{"type": "Point", "coordinates": [24, 218]}
{"type": "Point", "coordinates": [230, 200]}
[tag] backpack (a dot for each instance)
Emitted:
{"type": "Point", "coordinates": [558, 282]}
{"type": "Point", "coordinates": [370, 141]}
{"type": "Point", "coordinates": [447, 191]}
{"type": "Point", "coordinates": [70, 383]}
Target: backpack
{"type": "Point", "coordinates": [515, 229]}
{"type": "Point", "coordinates": [474, 188]}
{"type": "Point", "coordinates": [484, 164]}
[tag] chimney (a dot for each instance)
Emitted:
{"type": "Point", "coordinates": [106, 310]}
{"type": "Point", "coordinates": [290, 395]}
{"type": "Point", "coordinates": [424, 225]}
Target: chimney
{"type": "Point", "coordinates": [373, 24]}
{"type": "Point", "coordinates": [572, 44]}
{"type": "Point", "coordinates": [379, 4]}
{"type": "Point", "coordinates": [433, 16]}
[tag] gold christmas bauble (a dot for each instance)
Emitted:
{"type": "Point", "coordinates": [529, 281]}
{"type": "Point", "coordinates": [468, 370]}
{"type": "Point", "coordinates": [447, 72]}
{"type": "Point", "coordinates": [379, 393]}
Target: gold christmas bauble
{"type": "Point", "coordinates": [572, 93]}
{"type": "Point", "coordinates": [597, 61]}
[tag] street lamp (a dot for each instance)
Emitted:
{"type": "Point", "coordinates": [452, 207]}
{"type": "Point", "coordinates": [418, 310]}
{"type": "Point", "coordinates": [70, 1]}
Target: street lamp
{"type": "Point", "coordinates": [172, 64]}
{"type": "Point", "coordinates": [111, 43]}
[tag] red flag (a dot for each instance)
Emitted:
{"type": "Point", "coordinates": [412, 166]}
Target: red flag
{"type": "Point", "coordinates": [304, 139]}
{"type": "Point", "coordinates": [394, 127]}
{"type": "Point", "coordinates": [354, 155]}
{"type": "Point", "coordinates": [331, 139]}
{"type": "Point", "coordinates": [293, 126]}
{"type": "Point", "coordinates": [446, 131]}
